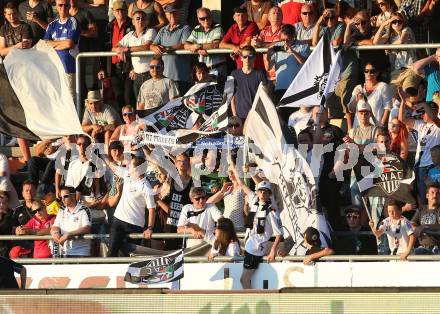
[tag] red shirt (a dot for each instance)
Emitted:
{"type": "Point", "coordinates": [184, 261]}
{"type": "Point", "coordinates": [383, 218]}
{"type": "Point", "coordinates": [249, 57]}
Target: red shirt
{"type": "Point", "coordinates": [118, 33]}
{"type": "Point", "coordinates": [237, 37]}
{"type": "Point", "coordinates": [291, 11]}
{"type": "Point", "coordinates": [267, 36]}
{"type": "Point", "coordinates": [41, 247]}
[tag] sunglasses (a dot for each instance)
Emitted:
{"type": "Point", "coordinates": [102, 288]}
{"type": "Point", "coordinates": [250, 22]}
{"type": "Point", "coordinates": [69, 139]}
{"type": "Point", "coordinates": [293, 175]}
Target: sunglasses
{"type": "Point", "coordinates": [65, 196]}
{"type": "Point", "coordinates": [63, 5]}
{"type": "Point", "coordinates": [198, 198]}
{"type": "Point", "coordinates": [234, 125]}
{"type": "Point", "coordinates": [155, 67]}
{"type": "Point", "coordinates": [307, 13]}
{"type": "Point", "coordinates": [397, 22]}
{"type": "Point", "coordinates": [372, 71]}
{"type": "Point", "coordinates": [247, 56]}
{"type": "Point", "coordinates": [353, 216]}
{"type": "Point", "coordinates": [204, 18]}
{"type": "Point", "coordinates": [129, 113]}
{"type": "Point", "coordinates": [329, 18]}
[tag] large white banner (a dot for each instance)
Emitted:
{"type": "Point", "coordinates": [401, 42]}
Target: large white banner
{"type": "Point", "coordinates": [226, 276]}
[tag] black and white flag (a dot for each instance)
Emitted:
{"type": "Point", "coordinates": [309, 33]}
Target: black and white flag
{"type": "Point", "coordinates": [35, 100]}
{"type": "Point", "coordinates": [157, 270]}
{"type": "Point", "coordinates": [316, 79]}
{"type": "Point", "coordinates": [390, 178]}
{"type": "Point", "coordinates": [285, 166]}
{"type": "Point", "coordinates": [203, 102]}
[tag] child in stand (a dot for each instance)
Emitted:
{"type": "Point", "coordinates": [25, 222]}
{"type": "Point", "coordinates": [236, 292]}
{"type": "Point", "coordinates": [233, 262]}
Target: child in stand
{"type": "Point", "coordinates": [224, 242]}
{"type": "Point", "coordinates": [314, 251]}
{"type": "Point", "coordinates": [398, 229]}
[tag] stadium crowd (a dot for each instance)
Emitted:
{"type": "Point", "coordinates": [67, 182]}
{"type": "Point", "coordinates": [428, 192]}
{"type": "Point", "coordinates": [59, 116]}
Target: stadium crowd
{"type": "Point", "coordinates": [387, 97]}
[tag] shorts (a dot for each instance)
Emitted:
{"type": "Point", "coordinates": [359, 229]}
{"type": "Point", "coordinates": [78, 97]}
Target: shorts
{"type": "Point", "coordinates": [251, 261]}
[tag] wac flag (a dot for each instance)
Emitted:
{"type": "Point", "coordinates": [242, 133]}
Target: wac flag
{"type": "Point", "coordinates": [35, 100]}
{"type": "Point", "coordinates": [284, 166]}
{"type": "Point", "coordinates": [203, 102]}
{"type": "Point", "coordinates": [157, 270]}
{"type": "Point", "coordinates": [317, 78]}
{"type": "Point", "coordinates": [392, 178]}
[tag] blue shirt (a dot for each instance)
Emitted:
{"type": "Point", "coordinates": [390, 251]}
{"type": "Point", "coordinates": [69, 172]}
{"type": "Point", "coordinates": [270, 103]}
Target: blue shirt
{"type": "Point", "coordinates": [246, 86]}
{"type": "Point", "coordinates": [177, 68]}
{"type": "Point", "coordinates": [62, 31]}
{"type": "Point", "coordinates": [432, 77]}
{"type": "Point", "coordinates": [434, 175]}
{"type": "Point", "coordinates": [286, 65]}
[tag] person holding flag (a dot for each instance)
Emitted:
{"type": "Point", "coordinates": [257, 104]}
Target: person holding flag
{"type": "Point", "coordinates": [287, 57]}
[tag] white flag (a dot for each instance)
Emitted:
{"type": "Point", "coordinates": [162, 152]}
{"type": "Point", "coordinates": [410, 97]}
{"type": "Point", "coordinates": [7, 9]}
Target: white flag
{"type": "Point", "coordinates": [284, 166]}
{"type": "Point", "coordinates": [316, 79]}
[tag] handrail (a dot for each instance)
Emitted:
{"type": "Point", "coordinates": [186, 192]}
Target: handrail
{"type": "Point", "coordinates": [224, 259]}
{"type": "Point", "coordinates": [141, 236]}
{"type": "Point", "coordinates": [219, 51]}
{"type": "Point", "coordinates": [102, 236]}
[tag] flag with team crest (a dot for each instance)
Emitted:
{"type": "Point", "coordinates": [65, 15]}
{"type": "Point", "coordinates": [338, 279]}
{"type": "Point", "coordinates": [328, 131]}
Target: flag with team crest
{"type": "Point", "coordinates": [317, 78]}
{"type": "Point", "coordinates": [284, 166]}
{"type": "Point", "coordinates": [162, 269]}
{"type": "Point", "coordinates": [205, 102]}
{"type": "Point", "coordinates": [389, 177]}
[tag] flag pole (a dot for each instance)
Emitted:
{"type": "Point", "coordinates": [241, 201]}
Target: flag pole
{"type": "Point", "coordinates": [364, 200]}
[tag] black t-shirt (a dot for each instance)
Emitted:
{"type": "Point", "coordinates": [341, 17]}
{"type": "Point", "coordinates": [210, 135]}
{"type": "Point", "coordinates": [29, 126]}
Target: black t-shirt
{"type": "Point", "coordinates": [42, 10]}
{"type": "Point", "coordinates": [7, 269]}
{"type": "Point", "coordinates": [21, 215]}
{"type": "Point", "coordinates": [84, 19]}
{"type": "Point", "coordinates": [355, 244]}
{"type": "Point", "coordinates": [14, 35]}
{"type": "Point", "coordinates": [176, 200]}
{"type": "Point", "coordinates": [330, 134]}
{"type": "Point", "coordinates": [5, 229]}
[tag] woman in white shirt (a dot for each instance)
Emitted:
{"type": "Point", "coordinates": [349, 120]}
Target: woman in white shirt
{"type": "Point", "coordinates": [377, 94]}
{"type": "Point", "coordinates": [395, 31]}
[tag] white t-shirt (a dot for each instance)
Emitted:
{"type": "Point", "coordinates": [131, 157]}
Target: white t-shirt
{"type": "Point", "coordinates": [232, 250]}
{"type": "Point", "coordinates": [4, 166]}
{"type": "Point", "coordinates": [255, 243]}
{"type": "Point", "coordinates": [379, 100]}
{"type": "Point", "coordinates": [69, 221]}
{"type": "Point", "coordinates": [428, 137]}
{"type": "Point", "coordinates": [136, 196]}
{"type": "Point", "coordinates": [205, 218]}
{"type": "Point", "coordinates": [398, 233]}
{"type": "Point", "coordinates": [298, 120]}
{"type": "Point", "coordinates": [140, 64]}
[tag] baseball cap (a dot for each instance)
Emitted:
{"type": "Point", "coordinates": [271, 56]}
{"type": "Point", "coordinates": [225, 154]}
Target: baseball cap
{"type": "Point", "coordinates": [19, 251]}
{"type": "Point", "coordinates": [363, 106]}
{"type": "Point", "coordinates": [42, 190]}
{"type": "Point", "coordinates": [312, 236]}
{"type": "Point", "coordinates": [170, 8]}
{"type": "Point", "coordinates": [117, 5]}
{"type": "Point", "coordinates": [264, 185]}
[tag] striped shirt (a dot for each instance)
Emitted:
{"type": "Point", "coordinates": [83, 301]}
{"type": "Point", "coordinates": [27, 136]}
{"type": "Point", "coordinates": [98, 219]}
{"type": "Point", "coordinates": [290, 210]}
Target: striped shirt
{"type": "Point", "coordinates": [199, 36]}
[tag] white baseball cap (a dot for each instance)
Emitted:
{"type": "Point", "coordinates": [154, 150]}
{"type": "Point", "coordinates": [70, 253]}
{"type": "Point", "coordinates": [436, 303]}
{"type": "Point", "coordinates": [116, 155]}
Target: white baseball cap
{"type": "Point", "coordinates": [362, 105]}
{"type": "Point", "coordinates": [264, 185]}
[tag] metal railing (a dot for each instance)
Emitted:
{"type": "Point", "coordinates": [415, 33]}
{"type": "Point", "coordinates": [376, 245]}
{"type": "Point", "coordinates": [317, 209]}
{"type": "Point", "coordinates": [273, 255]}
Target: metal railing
{"type": "Point", "coordinates": [224, 259]}
{"type": "Point", "coordinates": [220, 51]}
{"type": "Point", "coordinates": [140, 236]}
